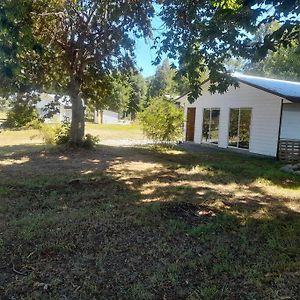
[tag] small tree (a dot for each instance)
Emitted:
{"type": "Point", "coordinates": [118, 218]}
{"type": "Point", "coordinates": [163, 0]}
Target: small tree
{"type": "Point", "coordinates": [162, 121]}
{"type": "Point", "coordinates": [22, 111]}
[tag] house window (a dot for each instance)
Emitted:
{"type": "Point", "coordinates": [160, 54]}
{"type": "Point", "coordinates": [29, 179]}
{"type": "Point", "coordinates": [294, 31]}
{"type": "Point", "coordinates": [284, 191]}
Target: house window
{"type": "Point", "coordinates": [239, 127]}
{"type": "Point", "coordinates": [210, 128]}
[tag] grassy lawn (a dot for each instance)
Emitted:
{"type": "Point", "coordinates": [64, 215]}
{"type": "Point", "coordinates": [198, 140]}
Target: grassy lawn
{"type": "Point", "coordinates": [116, 132]}
{"type": "Point", "coordinates": [106, 133]}
{"type": "Point", "coordinates": [2, 116]}
{"type": "Point", "coordinates": [139, 223]}
{"type": "Point", "coordinates": [19, 137]}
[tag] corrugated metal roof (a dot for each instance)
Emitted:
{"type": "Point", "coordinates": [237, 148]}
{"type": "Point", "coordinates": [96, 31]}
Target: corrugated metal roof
{"type": "Point", "coordinates": [286, 89]}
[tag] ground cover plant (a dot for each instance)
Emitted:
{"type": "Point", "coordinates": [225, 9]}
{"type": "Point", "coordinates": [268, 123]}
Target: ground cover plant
{"type": "Point", "coordinates": [124, 223]}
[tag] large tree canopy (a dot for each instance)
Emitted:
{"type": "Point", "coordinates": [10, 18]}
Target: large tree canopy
{"type": "Point", "coordinates": [203, 34]}
{"type": "Point", "coordinates": [72, 46]}
{"type": "Point", "coordinates": [282, 63]}
{"type": "Point", "coordinates": [163, 83]}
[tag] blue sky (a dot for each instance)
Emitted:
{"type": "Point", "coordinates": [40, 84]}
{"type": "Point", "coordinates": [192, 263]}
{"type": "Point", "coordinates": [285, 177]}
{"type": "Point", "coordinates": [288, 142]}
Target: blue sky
{"type": "Point", "coordinates": [144, 57]}
{"type": "Point", "coordinates": [144, 54]}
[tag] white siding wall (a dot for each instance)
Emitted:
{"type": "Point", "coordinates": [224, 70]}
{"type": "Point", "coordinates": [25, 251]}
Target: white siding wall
{"type": "Point", "coordinates": [198, 125]}
{"type": "Point", "coordinates": [110, 117]}
{"type": "Point", "coordinates": [185, 106]}
{"type": "Point", "coordinates": [266, 109]}
{"type": "Point", "coordinates": [46, 99]}
{"type": "Point", "coordinates": [290, 128]}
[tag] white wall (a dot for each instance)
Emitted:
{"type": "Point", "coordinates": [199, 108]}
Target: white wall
{"type": "Point", "coordinates": [110, 117]}
{"type": "Point", "coordinates": [65, 113]}
{"type": "Point", "coordinates": [46, 99]}
{"type": "Point", "coordinates": [266, 110]}
{"type": "Point", "coordinates": [290, 125]}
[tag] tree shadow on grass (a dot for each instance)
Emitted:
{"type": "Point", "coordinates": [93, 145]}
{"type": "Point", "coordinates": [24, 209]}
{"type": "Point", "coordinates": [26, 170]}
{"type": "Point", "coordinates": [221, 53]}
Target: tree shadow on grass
{"type": "Point", "coordinates": [235, 166]}
{"type": "Point", "coordinates": [156, 176]}
{"type": "Point", "coordinates": [126, 223]}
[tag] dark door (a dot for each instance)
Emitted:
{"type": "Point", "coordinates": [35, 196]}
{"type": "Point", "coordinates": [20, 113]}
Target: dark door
{"type": "Point", "coordinates": [190, 124]}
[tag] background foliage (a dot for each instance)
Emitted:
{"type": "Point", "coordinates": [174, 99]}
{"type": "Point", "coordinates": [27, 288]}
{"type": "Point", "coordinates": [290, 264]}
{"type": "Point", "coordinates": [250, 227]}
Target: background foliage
{"type": "Point", "coordinates": [22, 111]}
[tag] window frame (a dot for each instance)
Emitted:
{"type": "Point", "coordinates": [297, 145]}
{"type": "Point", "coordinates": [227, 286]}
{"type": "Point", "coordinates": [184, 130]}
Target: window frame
{"type": "Point", "coordinates": [239, 124]}
{"type": "Point", "coordinates": [209, 130]}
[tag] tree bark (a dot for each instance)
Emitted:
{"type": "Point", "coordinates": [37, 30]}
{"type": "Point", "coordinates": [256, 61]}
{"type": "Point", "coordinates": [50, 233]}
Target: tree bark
{"type": "Point", "coordinates": [77, 124]}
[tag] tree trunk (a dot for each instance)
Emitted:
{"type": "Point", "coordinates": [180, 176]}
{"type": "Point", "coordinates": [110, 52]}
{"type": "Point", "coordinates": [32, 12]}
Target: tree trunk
{"type": "Point", "coordinates": [77, 124]}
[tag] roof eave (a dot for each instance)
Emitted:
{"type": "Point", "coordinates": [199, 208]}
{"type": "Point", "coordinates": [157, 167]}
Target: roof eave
{"type": "Point", "coordinates": [290, 98]}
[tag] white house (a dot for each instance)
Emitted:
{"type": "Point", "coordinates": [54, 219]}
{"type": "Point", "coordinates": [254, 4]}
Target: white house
{"type": "Point", "coordinates": [262, 116]}
{"type": "Point", "coordinates": [63, 108]}
{"type": "Point", "coordinates": [106, 117]}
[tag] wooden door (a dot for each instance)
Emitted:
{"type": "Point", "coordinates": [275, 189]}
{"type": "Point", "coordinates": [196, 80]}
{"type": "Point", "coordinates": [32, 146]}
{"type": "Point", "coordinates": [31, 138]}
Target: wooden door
{"type": "Point", "coordinates": [190, 124]}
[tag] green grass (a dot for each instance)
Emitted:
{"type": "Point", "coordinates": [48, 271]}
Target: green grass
{"type": "Point", "coordinates": [2, 116]}
{"type": "Point", "coordinates": [105, 133]}
{"type": "Point", "coordinates": [116, 132]}
{"type": "Point", "coordinates": [146, 224]}
{"type": "Point", "coordinates": [19, 137]}
{"type": "Point", "coordinates": [115, 127]}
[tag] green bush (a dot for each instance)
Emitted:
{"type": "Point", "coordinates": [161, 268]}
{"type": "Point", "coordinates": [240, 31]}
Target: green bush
{"type": "Point", "coordinates": [34, 124]}
{"type": "Point", "coordinates": [48, 134]}
{"type": "Point", "coordinates": [62, 135]}
{"type": "Point", "coordinates": [20, 115]}
{"type": "Point", "coordinates": [55, 135]}
{"type": "Point", "coordinates": [162, 121]}
{"type": "Point", "coordinates": [90, 141]}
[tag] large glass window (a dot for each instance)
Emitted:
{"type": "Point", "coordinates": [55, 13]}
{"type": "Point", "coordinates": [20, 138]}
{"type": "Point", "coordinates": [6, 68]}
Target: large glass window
{"type": "Point", "coordinates": [239, 127]}
{"type": "Point", "coordinates": [210, 128]}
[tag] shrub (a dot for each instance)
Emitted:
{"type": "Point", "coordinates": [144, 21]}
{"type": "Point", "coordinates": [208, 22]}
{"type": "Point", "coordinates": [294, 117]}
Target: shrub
{"type": "Point", "coordinates": [62, 135]}
{"type": "Point", "coordinates": [90, 141]}
{"type": "Point", "coordinates": [48, 134]}
{"type": "Point", "coordinates": [34, 124]}
{"type": "Point", "coordinates": [20, 115]}
{"type": "Point", "coordinates": [162, 121]}
{"type": "Point", "coordinates": [55, 135]}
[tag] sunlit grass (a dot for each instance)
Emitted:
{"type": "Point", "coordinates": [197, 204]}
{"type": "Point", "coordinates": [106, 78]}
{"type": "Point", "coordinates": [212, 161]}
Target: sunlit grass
{"type": "Point", "coordinates": [2, 116]}
{"type": "Point", "coordinates": [116, 132]}
{"type": "Point", "coordinates": [19, 137]}
{"type": "Point", "coordinates": [105, 132]}
{"type": "Point", "coordinates": [115, 127]}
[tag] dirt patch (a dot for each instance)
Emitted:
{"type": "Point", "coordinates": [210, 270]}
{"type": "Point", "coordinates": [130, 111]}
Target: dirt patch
{"type": "Point", "coordinates": [188, 212]}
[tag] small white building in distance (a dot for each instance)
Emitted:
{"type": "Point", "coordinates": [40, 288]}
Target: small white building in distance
{"type": "Point", "coordinates": [64, 108]}
{"type": "Point", "coordinates": [106, 117]}
{"type": "Point", "coordinates": [64, 111]}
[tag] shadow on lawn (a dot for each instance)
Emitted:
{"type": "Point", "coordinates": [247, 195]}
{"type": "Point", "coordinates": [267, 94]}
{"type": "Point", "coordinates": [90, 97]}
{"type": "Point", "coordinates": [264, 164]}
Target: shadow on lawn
{"type": "Point", "coordinates": [130, 223]}
{"type": "Point", "coordinates": [234, 167]}
{"type": "Point", "coordinates": [216, 171]}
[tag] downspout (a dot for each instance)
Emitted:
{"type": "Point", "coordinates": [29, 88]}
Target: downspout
{"type": "Point", "coordinates": [279, 129]}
